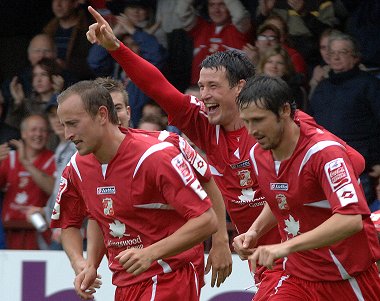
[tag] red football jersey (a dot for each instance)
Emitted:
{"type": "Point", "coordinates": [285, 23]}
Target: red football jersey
{"type": "Point", "coordinates": [78, 211]}
{"type": "Point", "coordinates": [209, 38]}
{"type": "Point", "coordinates": [143, 195]}
{"type": "Point", "coordinates": [19, 186]}
{"type": "Point", "coordinates": [317, 181]}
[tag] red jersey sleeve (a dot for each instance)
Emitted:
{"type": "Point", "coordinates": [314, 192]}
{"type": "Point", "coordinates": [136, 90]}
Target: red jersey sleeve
{"type": "Point", "coordinates": [169, 173]}
{"type": "Point", "coordinates": [69, 209]}
{"type": "Point", "coordinates": [199, 165]}
{"type": "Point", "coordinates": [339, 182]}
{"type": "Point", "coordinates": [149, 79]}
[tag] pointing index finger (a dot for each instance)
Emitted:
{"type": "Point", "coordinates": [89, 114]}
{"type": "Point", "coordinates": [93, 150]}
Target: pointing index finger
{"type": "Point", "coordinates": [99, 19]}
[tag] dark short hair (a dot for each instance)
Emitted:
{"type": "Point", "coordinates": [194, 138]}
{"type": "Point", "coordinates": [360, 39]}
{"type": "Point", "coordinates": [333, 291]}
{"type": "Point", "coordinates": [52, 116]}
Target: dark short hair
{"type": "Point", "coordinates": [93, 96]}
{"type": "Point", "coordinates": [113, 85]}
{"type": "Point", "coordinates": [269, 93]}
{"type": "Point", "coordinates": [237, 65]}
{"type": "Point", "coordinates": [50, 66]}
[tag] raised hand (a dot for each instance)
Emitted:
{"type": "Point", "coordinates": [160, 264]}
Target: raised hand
{"type": "Point", "coordinates": [4, 151]}
{"type": "Point", "coordinates": [17, 91]}
{"type": "Point", "coordinates": [101, 32]}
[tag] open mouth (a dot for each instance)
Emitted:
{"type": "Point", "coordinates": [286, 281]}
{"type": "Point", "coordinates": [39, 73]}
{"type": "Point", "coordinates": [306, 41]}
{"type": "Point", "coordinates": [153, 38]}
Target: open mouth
{"type": "Point", "coordinates": [211, 107]}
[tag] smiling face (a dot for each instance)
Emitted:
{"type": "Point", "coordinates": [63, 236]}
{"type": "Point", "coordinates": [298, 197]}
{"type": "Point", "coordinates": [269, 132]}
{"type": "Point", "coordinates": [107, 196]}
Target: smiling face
{"type": "Point", "coordinates": [83, 129]}
{"type": "Point", "coordinates": [265, 126]}
{"type": "Point", "coordinates": [218, 97]}
{"type": "Point", "coordinates": [34, 132]}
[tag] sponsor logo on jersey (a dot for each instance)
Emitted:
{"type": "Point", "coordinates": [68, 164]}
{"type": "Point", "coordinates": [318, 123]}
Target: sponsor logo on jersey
{"type": "Point", "coordinates": [187, 151]}
{"type": "Point", "coordinates": [244, 177]}
{"type": "Point", "coordinates": [281, 201]}
{"type": "Point", "coordinates": [183, 168]}
{"type": "Point", "coordinates": [247, 197]}
{"type": "Point", "coordinates": [337, 174]}
{"type": "Point", "coordinates": [106, 190]}
{"type": "Point", "coordinates": [107, 206]}
{"type": "Point", "coordinates": [242, 164]}
{"type": "Point", "coordinates": [279, 186]}
{"type": "Point", "coordinates": [347, 195]}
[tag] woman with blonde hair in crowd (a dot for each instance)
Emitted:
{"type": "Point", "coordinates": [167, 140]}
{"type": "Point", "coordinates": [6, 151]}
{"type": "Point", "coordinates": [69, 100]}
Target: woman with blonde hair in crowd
{"type": "Point", "coordinates": [276, 62]}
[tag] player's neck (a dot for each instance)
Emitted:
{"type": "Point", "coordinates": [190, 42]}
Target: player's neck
{"type": "Point", "coordinates": [235, 125]}
{"type": "Point", "coordinates": [288, 141]}
{"type": "Point", "coordinates": [111, 142]}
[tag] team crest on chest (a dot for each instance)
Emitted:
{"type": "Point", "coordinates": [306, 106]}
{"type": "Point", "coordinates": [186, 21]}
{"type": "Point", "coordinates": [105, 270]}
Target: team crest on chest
{"type": "Point", "coordinates": [244, 177]}
{"type": "Point", "coordinates": [281, 201]}
{"type": "Point", "coordinates": [107, 206]}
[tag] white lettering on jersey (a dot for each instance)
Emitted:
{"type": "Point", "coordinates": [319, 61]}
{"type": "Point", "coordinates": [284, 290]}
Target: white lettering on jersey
{"type": "Point", "coordinates": [279, 186]}
{"type": "Point", "coordinates": [183, 169]}
{"type": "Point", "coordinates": [198, 189]}
{"type": "Point", "coordinates": [106, 190]}
{"type": "Point", "coordinates": [347, 195]}
{"type": "Point", "coordinates": [57, 207]}
{"type": "Point", "coordinates": [337, 174]}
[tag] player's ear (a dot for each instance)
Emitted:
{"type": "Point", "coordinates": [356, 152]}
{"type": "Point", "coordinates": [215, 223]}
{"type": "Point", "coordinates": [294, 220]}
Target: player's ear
{"type": "Point", "coordinates": [103, 114]}
{"type": "Point", "coordinates": [286, 110]}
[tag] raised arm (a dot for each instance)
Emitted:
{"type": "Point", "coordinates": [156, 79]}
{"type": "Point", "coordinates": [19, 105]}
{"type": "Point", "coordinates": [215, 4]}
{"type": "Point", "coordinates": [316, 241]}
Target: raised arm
{"type": "Point", "coordinates": [146, 76]}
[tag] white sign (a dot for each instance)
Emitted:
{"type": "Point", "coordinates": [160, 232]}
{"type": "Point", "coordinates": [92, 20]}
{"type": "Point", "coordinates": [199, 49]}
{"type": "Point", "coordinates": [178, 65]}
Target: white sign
{"type": "Point", "coordinates": [47, 276]}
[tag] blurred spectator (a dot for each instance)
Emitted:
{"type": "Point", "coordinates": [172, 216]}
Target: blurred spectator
{"type": "Point", "coordinates": [306, 21]}
{"type": "Point", "coordinates": [63, 153]}
{"type": "Point", "coordinates": [296, 57]}
{"type": "Point", "coordinates": [276, 63]}
{"type": "Point", "coordinates": [68, 29]}
{"type": "Point", "coordinates": [46, 80]}
{"type": "Point", "coordinates": [151, 123]}
{"type": "Point", "coordinates": [128, 30]}
{"type": "Point", "coordinates": [40, 46]}
{"type": "Point", "coordinates": [229, 27]}
{"type": "Point", "coordinates": [321, 71]}
{"type": "Point", "coordinates": [347, 103]}
{"type": "Point", "coordinates": [7, 133]}
{"type": "Point", "coordinates": [267, 36]}
{"type": "Point", "coordinates": [27, 177]}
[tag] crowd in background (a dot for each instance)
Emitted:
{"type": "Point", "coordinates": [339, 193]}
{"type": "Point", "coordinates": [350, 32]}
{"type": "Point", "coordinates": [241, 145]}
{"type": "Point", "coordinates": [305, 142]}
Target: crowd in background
{"type": "Point", "coordinates": [327, 51]}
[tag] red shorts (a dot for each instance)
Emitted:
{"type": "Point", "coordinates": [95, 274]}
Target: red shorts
{"type": "Point", "coordinates": [365, 286]}
{"type": "Point", "coordinates": [269, 280]}
{"type": "Point", "coordinates": [181, 284]}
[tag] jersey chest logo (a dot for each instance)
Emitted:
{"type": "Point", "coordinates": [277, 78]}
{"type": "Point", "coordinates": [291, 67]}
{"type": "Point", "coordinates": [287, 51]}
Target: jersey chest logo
{"type": "Point", "coordinates": [281, 202]}
{"type": "Point", "coordinates": [107, 206]}
{"type": "Point", "coordinates": [244, 178]}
